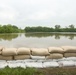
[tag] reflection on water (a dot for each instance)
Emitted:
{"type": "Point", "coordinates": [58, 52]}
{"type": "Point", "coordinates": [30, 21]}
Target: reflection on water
{"type": "Point", "coordinates": [37, 39]}
{"type": "Point", "coordinates": [8, 37]}
{"type": "Point", "coordinates": [56, 35]}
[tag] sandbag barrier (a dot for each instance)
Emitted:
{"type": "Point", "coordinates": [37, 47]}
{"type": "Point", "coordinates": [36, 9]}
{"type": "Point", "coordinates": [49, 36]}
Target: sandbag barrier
{"type": "Point", "coordinates": [38, 57]}
{"type": "Point", "coordinates": [64, 62]}
{"type": "Point", "coordinates": [37, 53]}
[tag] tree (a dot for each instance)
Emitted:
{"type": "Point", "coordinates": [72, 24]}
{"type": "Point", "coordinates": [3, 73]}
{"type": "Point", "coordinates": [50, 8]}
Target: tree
{"type": "Point", "coordinates": [57, 26]}
{"type": "Point", "coordinates": [9, 29]}
{"type": "Point", "coordinates": [71, 26]}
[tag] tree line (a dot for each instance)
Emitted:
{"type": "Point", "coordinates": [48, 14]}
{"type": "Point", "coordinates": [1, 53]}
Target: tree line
{"type": "Point", "coordinates": [14, 29]}
{"type": "Point", "coordinates": [57, 28]}
{"type": "Point", "coordinates": [10, 29]}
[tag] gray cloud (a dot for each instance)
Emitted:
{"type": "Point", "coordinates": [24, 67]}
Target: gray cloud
{"type": "Point", "coordinates": [38, 12]}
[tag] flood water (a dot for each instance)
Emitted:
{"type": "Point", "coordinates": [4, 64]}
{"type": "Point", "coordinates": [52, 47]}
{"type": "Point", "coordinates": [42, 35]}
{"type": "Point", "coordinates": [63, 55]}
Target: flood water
{"type": "Point", "coordinates": [39, 40]}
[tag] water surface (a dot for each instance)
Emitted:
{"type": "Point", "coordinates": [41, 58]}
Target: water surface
{"type": "Point", "coordinates": [37, 39]}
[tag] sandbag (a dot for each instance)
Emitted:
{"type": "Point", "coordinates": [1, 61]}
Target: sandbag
{"type": "Point", "coordinates": [15, 65]}
{"type": "Point", "coordinates": [11, 61]}
{"type": "Point", "coordinates": [37, 57]}
{"type": "Point", "coordinates": [9, 51]}
{"type": "Point", "coordinates": [0, 52]}
{"type": "Point", "coordinates": [39, 51]}
{"type": "Point", "coordinates": [66, 63]}
{"type": "Point", "coordinates": [69, 49]}
{"type": "Point", "coordinates": [60, 59]}
{"type": "Point", "coordinates": [42, 60]}
{"type": "Point", "coordinates": [12, 65]}
{"type": "Point", "coordinates": [69, 54]}
{"type": "Point", "coordinates": [54, 56]}
{"type": "Point", "coordinates": [34, 64]}
{"type": "Point", "coordinates": [1, 48]}
{"type": "Point", "coordinates": [55, 50]}
{"type": "Point", "coordinates": [2, 61]}
{"type": "Point", "coordinates": [71, 58]}
{"type": "Point", "coordinates": [50, 64]}
{"type": "Point", "coordinates": [19, 61]}
{"type": "Point", "coordinates": [3, 65]}
{"type": "Point", "coordinates": [6, 57]}
{"type": "Point", "coordinates": [23, 50]}
{"type": "Point", "coordinates": [21, 57]}
{"type": "Point", "coordinates": [75, 63]}
{"type": "Point", "coordinates": [29, 60]}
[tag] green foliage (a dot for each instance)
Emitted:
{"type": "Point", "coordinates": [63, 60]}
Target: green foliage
{"type": "Point", "coordinates": [9, 29]}
{"type": "Point", "coordinates": [38, 29]}
{"type": "Point", "coordinates": [57, 28]}
{"type": "Point", "coordinates": [35, 71]}
{"type": "Point", "coordinates": [14, 29]}
{"type": "Point", "coordinates": [17, 71]}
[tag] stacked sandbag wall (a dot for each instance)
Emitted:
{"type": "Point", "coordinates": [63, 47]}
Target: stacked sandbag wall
{"type": "Point", "coordinates": [69, 51]}
{"type": "Point", "coordinates": [55, 53]}
{"type": "Point", "coordinates": [38, 57]}
{"type": "Point", "coordinates": [22, 53]}
{"type": "Point", "coordinates": [8, 53]}
{"type": "Point", "coordinates": [37, 53]}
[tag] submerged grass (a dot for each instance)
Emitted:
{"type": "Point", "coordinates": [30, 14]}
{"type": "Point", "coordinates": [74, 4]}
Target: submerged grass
{"type": "Point", "coordinates": [35, 71]}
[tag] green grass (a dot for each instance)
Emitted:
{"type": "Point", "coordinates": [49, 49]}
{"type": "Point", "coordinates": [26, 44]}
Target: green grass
{"type": "Point", "coordinates": [34, 71]}
{"type": "Point", "coordinates": [18, 71]}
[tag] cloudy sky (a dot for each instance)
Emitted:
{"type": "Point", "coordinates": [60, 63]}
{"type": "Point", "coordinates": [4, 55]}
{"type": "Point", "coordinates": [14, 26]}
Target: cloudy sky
{"type": "Point", "coordinates": [38, 12]}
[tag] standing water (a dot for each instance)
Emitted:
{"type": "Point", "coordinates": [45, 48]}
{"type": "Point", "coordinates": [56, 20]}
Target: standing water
{"type": "Point", "coordinates": [37, 39]}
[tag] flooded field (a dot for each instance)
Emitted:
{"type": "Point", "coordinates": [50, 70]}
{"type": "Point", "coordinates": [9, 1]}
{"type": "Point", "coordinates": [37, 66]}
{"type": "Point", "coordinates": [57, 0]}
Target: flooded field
{"type": "Point", "coordinates": [37, 39]}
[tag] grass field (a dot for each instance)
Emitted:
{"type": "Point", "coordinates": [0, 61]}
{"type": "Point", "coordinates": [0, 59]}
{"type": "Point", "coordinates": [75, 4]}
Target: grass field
{"type": "Point", "coordinates": [34, 71]}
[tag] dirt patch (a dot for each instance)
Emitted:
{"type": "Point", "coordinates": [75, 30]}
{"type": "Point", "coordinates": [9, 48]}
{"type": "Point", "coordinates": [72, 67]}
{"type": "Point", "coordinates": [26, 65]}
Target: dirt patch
{"type": "Point", "coordinates": [58, 71]}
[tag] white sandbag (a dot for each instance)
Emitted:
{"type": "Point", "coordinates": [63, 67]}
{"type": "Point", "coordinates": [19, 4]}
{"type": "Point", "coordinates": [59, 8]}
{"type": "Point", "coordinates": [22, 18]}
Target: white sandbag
{"type": "Point", "coordinates": [12, 65]}
{"type": "Point", "coordinates": [69, 54]}
{"type": "Point", "coordinates": [39, 51]}
{"type": "Point", "coordinates": [9, 51]}
{"type": "Point", "coordinates": [62, 59]}
{"type": "Point", "coordinates": [55, 50]}
{"type": "Point", "coordinates": [23, 50]}
{"type": "Point", "coordinates": [71, 58]}
{"type": "Point", "coordinates": [37, 57]}
{"type": "Point", "coordinates": [54, 56]}
{"type": "Point", "coordinates": [34, 64]}
{"type": "Point", "coordinates": [3, 61]}
{"type": "Point", "coordinates": [11, 61]}
{"type": "Point", "coordinates": [3, 65]}
{"type": "Point", "coordinates": [69, 49]}
{"type": "Point", "coordinates": [75, 63]}
{"type": "Point", "coordinates": [20, 61]}
{"type": "Point", "coordinates": [50, 64]}
{"type": "Point", "coordinates": [66, 63]}
{"type": "Point", "coordinates": [48, 60]}
{"type": "Point", "coordinates": [42, 60]}
{"type": "Point", "coordinates": [15, 65]}
{"type": "Point", "coordinates": [30, 60]}
{"type": "Point", "coordinates": [6, 57]}
{"type": "Point", "coordinates": [21, 57]}
{"type": "Point", "coordinates": [26, 60]}
{"type": "Point", "coordinates": [23, 65]}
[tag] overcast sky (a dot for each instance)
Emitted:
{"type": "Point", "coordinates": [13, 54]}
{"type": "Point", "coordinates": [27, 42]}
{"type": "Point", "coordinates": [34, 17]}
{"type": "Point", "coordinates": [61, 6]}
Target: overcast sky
{"type": "Point", "coordinates": [38, 12]}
